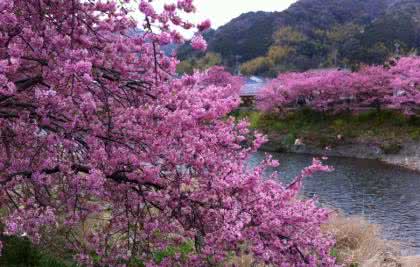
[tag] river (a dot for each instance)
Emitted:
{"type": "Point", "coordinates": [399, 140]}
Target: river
{"type": "Point", "coordinates": [384, 194]}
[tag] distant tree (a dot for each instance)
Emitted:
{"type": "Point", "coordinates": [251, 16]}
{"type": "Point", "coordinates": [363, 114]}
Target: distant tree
{"type": "Point", "coordinates": [337, 38]}
{"type": "Point", "coordinates": [257, 66]}
{"type": "Point", "coordinates": [287, 36]}
{"type": "Point", "coordinates": [377, 54]}
{"type": "Point", "coordinates": [338, 34]}
{"type": "Point", "coordinates": [209, 60]}
{"type": "Point", "coordinates": [395, 87]}
{"type": "Point", "coordinates": [278, 54]}
{"type": "Point", "coordinates": [188, 66]}
{"type": "Point", "coordinates": [321, 32]}
{"type": "Point", "coordinates": [249, 35]}
{"type": "Point", "coordinates": [185, 66]}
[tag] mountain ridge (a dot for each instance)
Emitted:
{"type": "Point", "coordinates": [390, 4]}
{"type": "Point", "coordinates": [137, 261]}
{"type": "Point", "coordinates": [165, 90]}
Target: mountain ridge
{"type": "Point", "coordinates": [251, 35]}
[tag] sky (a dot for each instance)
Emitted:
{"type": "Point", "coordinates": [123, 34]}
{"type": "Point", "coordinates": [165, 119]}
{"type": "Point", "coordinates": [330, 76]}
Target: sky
{"type": "Point", "coordinates": [222, 11]}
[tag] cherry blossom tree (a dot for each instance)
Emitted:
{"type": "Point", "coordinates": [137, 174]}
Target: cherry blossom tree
{"type": "Point", "coordinates": [396, 87]}
{"type": "Point", "coordinates": [406, 86]}
{"type": "Point", "coordinates": [105, 150]}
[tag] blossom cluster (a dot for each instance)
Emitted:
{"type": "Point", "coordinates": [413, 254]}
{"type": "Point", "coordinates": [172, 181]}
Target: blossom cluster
{"type": "Point", "coordinates": [396, 87]}
{"type": "Point", "coordinates": [103, 146]}
{"type": "Point", "coordinates": [198, 43]}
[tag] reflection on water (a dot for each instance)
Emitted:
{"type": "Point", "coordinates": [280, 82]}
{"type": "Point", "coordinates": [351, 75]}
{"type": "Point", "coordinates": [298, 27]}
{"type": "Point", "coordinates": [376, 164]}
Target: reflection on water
{"type": "Point", "coordinates": [384, 194]}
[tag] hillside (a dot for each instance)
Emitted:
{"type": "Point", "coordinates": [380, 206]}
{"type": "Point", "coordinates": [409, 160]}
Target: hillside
{"type": "Point", "coordinates": [330, 33]}
{"type": "Point", "coordinates": [248, 36]}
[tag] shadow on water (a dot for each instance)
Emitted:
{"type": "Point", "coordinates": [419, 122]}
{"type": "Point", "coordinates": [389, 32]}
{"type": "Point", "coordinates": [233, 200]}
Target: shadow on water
{"type": "Point", "coordinates": [384, 194]}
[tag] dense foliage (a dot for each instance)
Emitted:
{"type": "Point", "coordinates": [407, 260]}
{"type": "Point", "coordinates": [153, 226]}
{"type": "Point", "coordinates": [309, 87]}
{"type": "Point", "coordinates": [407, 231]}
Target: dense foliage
{"type": "Point", "coordinates": [108, 156]}
{"type": "Point", "coordinates": [396, 87]}
{"type": "Point", "coordinates": [331, 33]}
{"type": "Point", "coordinates": [201, 63]}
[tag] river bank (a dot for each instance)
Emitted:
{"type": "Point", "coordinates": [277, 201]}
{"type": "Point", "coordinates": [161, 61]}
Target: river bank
{"type": "Point", "coordinates": [377, 206]}
{"type": "Point", "coordinates": [406, 155]}
{"type": "Point", "coordinates": [358, 243]}
{"type": "Point", "coordinates": [386, 136]}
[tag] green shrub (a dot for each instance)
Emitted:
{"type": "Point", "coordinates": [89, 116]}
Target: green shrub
{"type": "Point", "coordinates": [322, 129]}
{"type": "Point", "coordinates": [415, 134]}
{"type": "Point", "coordinates": [339, 124]}
{"type": "Point", "coordinates": [391, 148]}
{"type": "Point", "coordinates": [184, 249]}
{"type": "Point", "coordinates": [19, 252]}
{"type": "Point", "coordinates": [289, 139]}
{"type": "Point", "coordinates": [383, 117]}
{"type": "Point", "coordinates": [366, 116]}
{"type": "Point", "coordinates": [256, 66]}
{"type": "Point", "coordinates": [254, 120]}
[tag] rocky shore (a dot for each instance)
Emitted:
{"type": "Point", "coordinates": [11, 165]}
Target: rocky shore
{"type": "Point", "coordinates": [406, 155]}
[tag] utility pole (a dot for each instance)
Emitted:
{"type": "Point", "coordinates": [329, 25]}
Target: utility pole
{"type": "Point", "coordinates": [335, 52]}
{"type": "Point", "coordinates": [397, 49]}
{"type": "Point", "coordinates": [238, 71]}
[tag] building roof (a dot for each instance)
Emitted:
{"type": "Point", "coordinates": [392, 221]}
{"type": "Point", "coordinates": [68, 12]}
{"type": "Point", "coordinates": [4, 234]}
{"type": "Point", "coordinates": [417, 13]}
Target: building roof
{"type": "Point", "coordinates": [252, 86]}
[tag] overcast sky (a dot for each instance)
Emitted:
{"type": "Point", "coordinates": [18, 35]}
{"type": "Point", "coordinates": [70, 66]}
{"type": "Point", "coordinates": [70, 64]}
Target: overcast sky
{"type": "Point", "coordinates": [222, 11]}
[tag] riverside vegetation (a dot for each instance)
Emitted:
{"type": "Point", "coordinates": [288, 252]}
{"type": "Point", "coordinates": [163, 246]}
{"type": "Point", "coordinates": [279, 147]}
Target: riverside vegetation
{"type": "Point", "coordinates": [108, 158]}
{"type": "Point", "coordinates": [388, 129]}
{"type": "Point", "coordinates": [358, 243]}
{"type": "Point", "coordinates": [377, 105]}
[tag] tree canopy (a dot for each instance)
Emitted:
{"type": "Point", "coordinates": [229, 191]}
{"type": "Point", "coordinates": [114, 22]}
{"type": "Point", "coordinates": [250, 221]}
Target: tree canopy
{"type": "Point", "coordinates": [109, 155]}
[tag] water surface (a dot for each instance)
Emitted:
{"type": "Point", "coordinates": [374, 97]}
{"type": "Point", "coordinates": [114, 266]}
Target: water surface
{"type": "Point", "coordinates": [384, 194]}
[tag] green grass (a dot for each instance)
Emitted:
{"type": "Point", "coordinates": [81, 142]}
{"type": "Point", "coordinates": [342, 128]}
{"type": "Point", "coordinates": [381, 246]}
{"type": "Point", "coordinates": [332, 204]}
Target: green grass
{"type": "Point", "coordinates": [19, 252]}
{"type": "Point", "coordinates": [384, 127]}
{"type": "Point", "coordinates": [183, 250]}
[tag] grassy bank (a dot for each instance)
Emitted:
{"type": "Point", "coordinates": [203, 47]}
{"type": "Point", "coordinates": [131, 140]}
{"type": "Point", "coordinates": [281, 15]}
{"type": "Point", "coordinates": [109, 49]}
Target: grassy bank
{"type": "Point", "coordinates": [387, 128]}
{"type": "Point", "coordinates": [19, 252]}
{"type": "Point", "coordinates": [358, 243]}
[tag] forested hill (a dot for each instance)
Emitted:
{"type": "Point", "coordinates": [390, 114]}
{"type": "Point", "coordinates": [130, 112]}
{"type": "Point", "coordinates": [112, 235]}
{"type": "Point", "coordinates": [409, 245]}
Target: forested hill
{"type": "Point", "coordinates": [317, 34]}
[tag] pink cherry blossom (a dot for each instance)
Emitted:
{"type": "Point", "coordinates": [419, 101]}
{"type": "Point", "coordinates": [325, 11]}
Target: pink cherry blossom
{"type": "Point", "coordinates": [397, 87]}
{"type": "Point", "coordinates": [198, 43]}
{"type": "Point", "coordinates": [204, 25]}
{"type": "Point", "coordinates": [97, 130]}
{"type": "Point", "coordinates": [147, 9]}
